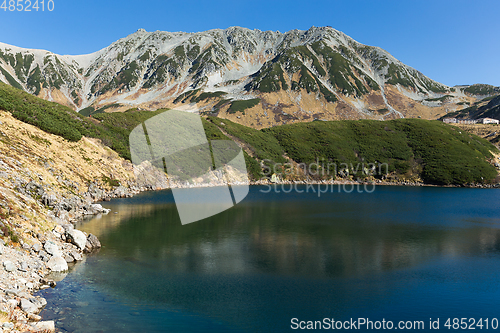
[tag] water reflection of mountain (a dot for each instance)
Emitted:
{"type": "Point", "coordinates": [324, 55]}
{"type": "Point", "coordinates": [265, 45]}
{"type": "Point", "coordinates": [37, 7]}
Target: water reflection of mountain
{"type": "Point", "coordinates": [274, 257]}
{"type": "Point", "coordinates": [276, 240]}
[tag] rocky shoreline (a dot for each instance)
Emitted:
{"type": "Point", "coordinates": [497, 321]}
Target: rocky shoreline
{"type": "Point", "coordinates": [46, 184]}
{"type": "Point", "coordinates": [26, 268]}
{"type": "Point", "coordinates": [365, 182]}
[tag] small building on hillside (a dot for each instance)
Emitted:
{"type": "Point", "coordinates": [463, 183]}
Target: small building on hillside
{"type": "Point", "coordinates": [488, 121]}
{"type": "Point", "coordinates": [467, 121]}
{"type": "Point", "coordinates": [459, 121]}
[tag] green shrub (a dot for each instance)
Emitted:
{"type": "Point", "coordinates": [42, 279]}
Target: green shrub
{"type": "Point", "coordinates": [241, 106]}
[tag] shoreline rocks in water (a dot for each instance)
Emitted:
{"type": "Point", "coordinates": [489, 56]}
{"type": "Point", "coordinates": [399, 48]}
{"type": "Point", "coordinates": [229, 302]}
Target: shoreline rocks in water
{"type": "Point", "coordinates": [24, 267]}
{"type": "Point", "coordinates": [46, 184]}
{"type": "Point", "coordinates": [24, 270]}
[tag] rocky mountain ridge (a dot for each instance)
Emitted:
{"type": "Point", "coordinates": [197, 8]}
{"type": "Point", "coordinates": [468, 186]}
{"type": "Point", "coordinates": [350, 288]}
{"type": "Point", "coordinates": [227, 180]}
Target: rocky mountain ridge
{"type": "Point", "coordinates": [257, 78]}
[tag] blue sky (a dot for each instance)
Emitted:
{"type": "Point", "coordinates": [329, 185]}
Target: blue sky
{"type": "Point", "coordinates": [453, 42]}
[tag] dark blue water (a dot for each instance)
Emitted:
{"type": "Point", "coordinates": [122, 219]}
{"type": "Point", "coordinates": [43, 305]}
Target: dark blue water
{"type": "Point", "coordinates": [399, 254]}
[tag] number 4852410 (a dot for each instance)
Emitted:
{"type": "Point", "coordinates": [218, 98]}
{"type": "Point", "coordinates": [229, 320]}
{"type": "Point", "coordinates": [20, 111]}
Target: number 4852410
{"type": "Point", "coordinates": [27, 5]}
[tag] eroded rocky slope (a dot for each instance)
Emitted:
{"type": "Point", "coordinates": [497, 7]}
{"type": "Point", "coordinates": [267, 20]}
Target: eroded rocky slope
{"type": "Point", "coordinates": [257, 78]}
{"type": "Point", "coordinates": [46, 183]}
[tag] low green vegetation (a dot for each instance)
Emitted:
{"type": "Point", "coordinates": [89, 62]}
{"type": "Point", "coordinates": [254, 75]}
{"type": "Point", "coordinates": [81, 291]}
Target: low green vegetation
{"type": "Point", "coordinates": [207, 95]}
{"type": "Point", "coordinates": [110, 182]}
{"type": "Point", "coordinates": [241, 106]}
{"type": "Point", "coordinates": [87, 111]}
{"type": "Point", "coordinates": [127, 77]}
{"type": "Point", "coordinates": [269, 78]}
{"type": "Point", "coordinates": [479, 109]}
{"type": "Point", "coordinates": [36, 81]}
{"type": "Point", "coordinates": [438, 153]}
{"type": "Point", "coordinates": [113, 128]}
{"type": "Point", "coordinates": [339, 70]}
{"type": "Point", "coordinates": [118, 125]}
{"type": "Point", "coordinates": [396, 75]}
{"type": "Point", "coordinates": [435, 152]}
{"type": "Point", "coordinates": [186, 96]}
{"type": "Point", "coordinates": [48, 116]}
{"type": "Point", "coordinates": [482, 89]}
{"type": "Point", "coordinates": [10, 79]}
{"type": "Point", "coordinates": [449, 156]}
{"type": "Point", "coordinates": [221, 103]}
{"type": "Point", "coordinates": [487, 99]}
{"type": "Point", "coordinates": [264, 146]}
{"type": "Point", "coordinates": [438, 99]}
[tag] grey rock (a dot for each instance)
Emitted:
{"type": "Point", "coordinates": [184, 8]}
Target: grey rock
{"type": "Point", "coordinates": [121, 191]}
{"type": "Point", "coordinates": [69, 258]}
{"type": "Point", "coordinates": [39, 301]}
{"type": "Point", "coordinates": [8, 325]}
{"type": "Point", "coordinates": [11, 292]}
{"type": "Point", "coordinates": [52, 249]}
{"type": "Point", "coordinates": [92, 243]}
{"type": "Point", "coordinates": [94, 209]}
{"type": "Point", "coordinates": [62, 216]}
{"type": "Point", "coordinates": [29, 307]}
{"type": "Point", "coordinates": [12, 303]}
{"type": "Point", "coordinates": [77, 238]}
{"type": "Point", "coordinates": [57, 264]}
{"type": "Point", "coordinates": [94, 191]}
{"type": "Point", "coordinates": [23, 267]}
{"type": "Point", "coordinates": [68, 227]}
{"type": "Point", "coordinates": [9, 266]}
{"type": "Point", "coordinates": [34, 317]}
{"type": "Point", "coordinates": [36, 247]}
{"type": "Point", "coordinates": [58, 230]}
{"type": "Point", "coordinates": [45, 326]}
{"type": "Point", "coordinates": [1, 249]}
{"type": "Point", "coordinates": [34, 189]}
{"type": "Point", "coordinates": [23, 294]}
{"type": "Point", "coordinates": [76, 255]}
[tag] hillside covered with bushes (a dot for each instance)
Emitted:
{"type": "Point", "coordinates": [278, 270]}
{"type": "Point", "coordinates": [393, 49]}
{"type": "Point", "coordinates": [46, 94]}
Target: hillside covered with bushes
{"type": "Point", "coordinates": [416, 149]}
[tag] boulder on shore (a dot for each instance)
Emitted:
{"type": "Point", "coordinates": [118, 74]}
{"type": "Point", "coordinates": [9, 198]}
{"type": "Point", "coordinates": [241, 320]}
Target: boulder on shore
{"type": "Point", "coordinates": [92, 244]}
{"type": "Point", "coordinates": [57, 264]}
{"type": "Point", "coordinates": [45, 326]}
{"type": "Point", "coordinates": [77, 238]}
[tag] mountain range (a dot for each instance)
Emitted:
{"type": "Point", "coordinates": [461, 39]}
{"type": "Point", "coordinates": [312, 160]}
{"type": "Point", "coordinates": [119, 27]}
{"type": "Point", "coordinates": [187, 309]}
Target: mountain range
{"type": "Point", "coordinates": [256, 78]}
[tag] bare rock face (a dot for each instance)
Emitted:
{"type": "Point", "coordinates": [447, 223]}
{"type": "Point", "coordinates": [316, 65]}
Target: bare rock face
{"type": "Point", "coordinates": [57, 264]}
{"type": "Point", "coordinates": [9, 266]}
{"type": "Point", "coordinates": [77, 238]}
{"type": "Point", "coordinates": [52, 249]}
{"type": "Point", "coordinates": [45, 326]}
{"type": "Point", "coordinates": [32, 305]}
{"type": "Point", "coordinates": [92, 244]}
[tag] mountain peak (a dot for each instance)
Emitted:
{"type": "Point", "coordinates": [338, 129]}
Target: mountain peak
{"type": "Point", "coordinates": [315, 73]}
